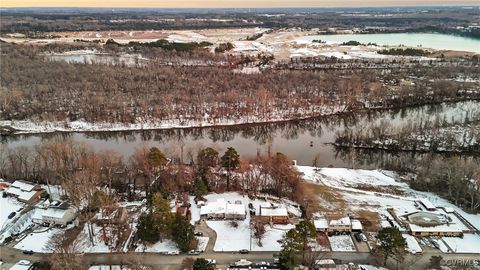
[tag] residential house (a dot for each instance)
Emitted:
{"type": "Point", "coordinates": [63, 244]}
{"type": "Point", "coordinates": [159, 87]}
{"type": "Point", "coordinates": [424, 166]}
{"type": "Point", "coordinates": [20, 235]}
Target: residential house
{"type": "Point", "coordinates": [321, 225]}
{"type": "Point", "coordinates": [60, 214]}
{"type": "Point", "coordinates": [342, 224]}
{"type": "Point", "coordinates": [221, 209]}
{"type": "Point", "coordinates": [274, 214]}
{"type": "Point", "coordinates": [24, 191]}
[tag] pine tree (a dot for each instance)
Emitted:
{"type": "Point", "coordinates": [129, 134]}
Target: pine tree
{"type": "Point", "coordinates": [182, 233]}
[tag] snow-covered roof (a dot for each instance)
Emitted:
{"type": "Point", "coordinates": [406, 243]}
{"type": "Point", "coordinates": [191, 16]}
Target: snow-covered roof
{"type": "Point", "coordinates": [273, 211]}
{"type": "Point", "coordinates": [325, 262]}
{"type": "Point", "coordinates": [23, 185]}
{"type": "Point", "coordinates": [356, 225]}
{"type": "Point", "coordinates": [106, 267]}
{"type": "Point", "coordinates": [321, 223]}
{"type": "Point", "coordinates": [236, 209]}
{"type": "Point", "coordinates": [21, 194]}
{"type": "Point", "coordinates": [220, 206]}
{"type": "Point", "coordinates": [385, 224]}
{"type": "Point", "coordinates": [412, 244]}
{"type": "Point", "coordinates": [22, 265]}
{"type": "Point", "coordinates": [216, 207]}
{"type": "Point", "coordinates": [449, 227]}
{"type": "Point", "coordinates": [427, 204]}
{"type": "Point", "coordinates": [341, 221]}
{"type": "Point", "coordinates": [54, 213]}
{"type": "Point", "coordinates": [449, 209]}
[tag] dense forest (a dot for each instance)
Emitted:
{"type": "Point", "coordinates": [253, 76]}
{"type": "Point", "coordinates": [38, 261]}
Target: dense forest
{"type": "Point", "coordinates": [38, 90]}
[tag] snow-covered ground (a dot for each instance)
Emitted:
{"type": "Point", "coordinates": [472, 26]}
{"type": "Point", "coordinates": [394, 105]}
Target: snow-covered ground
{"type": "Point", "coordinates": [202, 242]}
{"type": "Point", "coordinates": [94, 244]}
{"type": "Point", "coordinates": [164, 246]}
{"type": "Point", "coordinates": [346, 180]}
{"type": "Point", "coordinates": [341, 243]}
{"type": "Point", "coordinates": [229, 238]}
{"type": "Point", "coordinates": [470, 243]}
{"type": "Point", "coordinates": [194, 210]}
{"type": "Point", "coordinates": [38, 241]}
{"type": "Point", "coordinates": [234, 239]}
{"type": "Point", "coordinates": [29, 127]}
{"type": "Point", "coordinates": [8, 205]}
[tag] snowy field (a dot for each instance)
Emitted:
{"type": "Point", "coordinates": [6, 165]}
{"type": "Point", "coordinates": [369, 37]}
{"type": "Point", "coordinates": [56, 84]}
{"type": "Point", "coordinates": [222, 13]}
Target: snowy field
{"type": "Point", "coordinates": [470, 243]}
{"type": "Point", "coordinates": [38, 241]}
{"type": "Point", "coordinates": [8, 205]}
{"type": "Point", "coordinates": [229, 238]}
{"type": "Point", "coordinates": [341, 243]}
{"type": "Point", "coordinates": [345, 181]}
{"type": "Point", "coordinates": [164, 246]}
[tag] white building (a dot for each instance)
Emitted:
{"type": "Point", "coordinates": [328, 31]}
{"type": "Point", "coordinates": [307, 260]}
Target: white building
{"type": "Point", "coordinates": [222, 209]}
{"type": "Point", "coordinates": [55, 215]}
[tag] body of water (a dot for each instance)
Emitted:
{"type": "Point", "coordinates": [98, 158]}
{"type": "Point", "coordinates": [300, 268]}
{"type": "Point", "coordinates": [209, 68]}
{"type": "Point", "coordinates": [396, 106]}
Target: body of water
{"type": "Point", "coordinates": [425, 40]}
{"type": "Point", "coordinates": [303, 140]}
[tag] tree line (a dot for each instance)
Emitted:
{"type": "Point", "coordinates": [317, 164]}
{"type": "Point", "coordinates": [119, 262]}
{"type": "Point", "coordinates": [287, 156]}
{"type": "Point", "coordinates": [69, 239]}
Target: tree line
{"type": "Point", "coordinates": [38, 90]}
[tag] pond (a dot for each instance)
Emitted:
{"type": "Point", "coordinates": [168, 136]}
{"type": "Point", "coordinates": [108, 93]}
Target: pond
{"type": "Point", "coordinates": [425, 40]}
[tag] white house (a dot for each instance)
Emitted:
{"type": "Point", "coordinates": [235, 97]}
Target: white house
{"type": "Point", "coordinates": [55, 215]}
{"type": "Point", "coordinates": [222, 209]}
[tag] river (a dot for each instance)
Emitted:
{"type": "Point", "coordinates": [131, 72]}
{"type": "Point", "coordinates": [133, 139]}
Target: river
{"type": "Point", "coordinates": [302, 140]}
{"type": "Point", "coordinates": [426, 40]}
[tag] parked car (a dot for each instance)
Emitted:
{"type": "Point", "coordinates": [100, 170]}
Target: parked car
{"type": "Point", "coordinates": [243, 251]}
{"type": "Point", "coordinates": [198, 233]}
{"type": "Point", "coordinates": [28, 252]}
{"type": "Point", "coordinates": [211, 261]}
{"type": "Point", "coordinates": [11, 215]}
{"type": "Point", "coordinates": [193, 252]}
{"type": "Point", "coordinates": [175, 252]}
{"type": "Point", "coordinates": [360, 237]}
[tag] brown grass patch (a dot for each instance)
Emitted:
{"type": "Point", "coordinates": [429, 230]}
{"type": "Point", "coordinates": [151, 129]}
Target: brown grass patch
{"type": "Point", "coordinates": [370, 220]}
{"type": "Point", "coordinates": [321, 198]}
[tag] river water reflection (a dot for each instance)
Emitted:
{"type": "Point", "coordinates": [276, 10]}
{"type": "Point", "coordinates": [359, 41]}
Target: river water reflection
{"type": "Point", "coordinates": [302, 140]}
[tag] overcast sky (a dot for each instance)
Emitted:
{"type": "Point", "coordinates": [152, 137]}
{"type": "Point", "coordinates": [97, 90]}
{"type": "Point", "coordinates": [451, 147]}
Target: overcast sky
{"type": "Point", "coordinates": [230, 3]}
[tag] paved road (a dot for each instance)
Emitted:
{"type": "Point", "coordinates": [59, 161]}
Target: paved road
{"type": "Point", "coordinates": [11, 255]}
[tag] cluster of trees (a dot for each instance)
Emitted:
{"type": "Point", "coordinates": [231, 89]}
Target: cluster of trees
{"type": "Point", "coordinates": [407, 52]}
{"type": "Point", "coordinates": [160, 223]}
{"type": "Point", "coordinates": [38, 90]}
{"type": "Point", "coordinates": [164, 44]}
{"type": "Point", "coordinates": [79, 169]}
{"type": "Point", "coordinates": [437, 135]}
{"type": "Point", "coordinates": [297, 247]}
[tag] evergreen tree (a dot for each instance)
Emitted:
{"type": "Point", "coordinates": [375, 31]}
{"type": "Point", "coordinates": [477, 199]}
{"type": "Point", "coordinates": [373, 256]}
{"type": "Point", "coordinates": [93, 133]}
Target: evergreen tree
{"type": "Point", "coordinates": [230, 161]}
{"type": "Point", "coordinates": [202, 264]}
{"type": "Point", "coordinates": [146, 229]}
{"type": "Point", "coordinates": [182, 233]}
{"type": "Point", "coordinates": [295, 243]}
{"type": "Point", "coordinates": [392, 243]}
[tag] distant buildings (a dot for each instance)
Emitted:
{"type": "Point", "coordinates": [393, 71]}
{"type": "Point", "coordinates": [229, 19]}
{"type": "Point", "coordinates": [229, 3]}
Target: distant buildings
{"type": "Point", "coordinates": [24, 191]}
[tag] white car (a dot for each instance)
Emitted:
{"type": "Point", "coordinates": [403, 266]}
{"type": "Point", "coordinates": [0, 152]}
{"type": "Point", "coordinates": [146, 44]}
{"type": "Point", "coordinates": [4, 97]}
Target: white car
{"type": "Point", "coordinates": [174, 252]}
{"type": "Point", "coordinates": [211, 261]}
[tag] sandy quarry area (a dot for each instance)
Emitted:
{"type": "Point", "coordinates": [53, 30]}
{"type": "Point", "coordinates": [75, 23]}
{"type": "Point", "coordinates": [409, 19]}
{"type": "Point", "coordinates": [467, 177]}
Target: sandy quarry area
{"type": "Point", "coordinates": [282, 43]}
